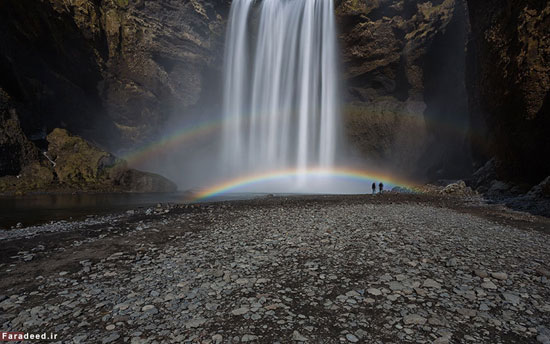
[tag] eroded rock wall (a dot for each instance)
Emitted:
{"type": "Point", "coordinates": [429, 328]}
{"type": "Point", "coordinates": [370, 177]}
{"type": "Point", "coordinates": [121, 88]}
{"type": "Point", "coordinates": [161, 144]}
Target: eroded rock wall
{"type": "Point", "coordinates": [404, 71]}
{"type": "Point", "coordinates": [113, 71]}
{"type": "Point", "coordinates": [509, 86]}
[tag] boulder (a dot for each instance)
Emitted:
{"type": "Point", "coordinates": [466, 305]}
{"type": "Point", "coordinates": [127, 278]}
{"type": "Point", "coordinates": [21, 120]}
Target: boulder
{"type": "Point", "coordinates": [458, 188]}
{"type": "Point", "coordinates": [81, 165]}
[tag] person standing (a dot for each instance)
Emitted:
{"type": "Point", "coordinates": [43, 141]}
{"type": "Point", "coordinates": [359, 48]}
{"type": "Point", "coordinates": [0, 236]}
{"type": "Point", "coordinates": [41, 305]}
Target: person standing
{"type": "Point", "coordinates": [381, 187]}
{"type": "Point", "coordinates": [373, 188]}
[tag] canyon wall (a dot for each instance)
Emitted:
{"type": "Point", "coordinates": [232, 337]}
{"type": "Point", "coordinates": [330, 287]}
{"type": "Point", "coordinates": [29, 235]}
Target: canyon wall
{"type": "Point", "coordinates": [509, 87]}
{"type": "Point", "coordinates": [425, 83]}
{"type": "Point", "coordinates": [113, 71]}
{"type": "Point", "coordinates": [406, 97]}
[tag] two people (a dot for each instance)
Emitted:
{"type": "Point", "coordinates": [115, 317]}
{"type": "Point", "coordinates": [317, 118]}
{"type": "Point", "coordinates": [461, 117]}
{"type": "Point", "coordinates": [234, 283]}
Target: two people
{"type": "Point", "coordinates": [380, 187]}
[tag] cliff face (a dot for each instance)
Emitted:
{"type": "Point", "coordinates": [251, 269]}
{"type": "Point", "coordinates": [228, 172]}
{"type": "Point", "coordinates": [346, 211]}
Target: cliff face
{"type": "Point", "coordinates": [509, 86]}
{"type": "Point", "coordinates": [115, 71]}
{"type": "Point", "coordinates": [108, 69]}
{"type": "Point", "coordinates": [16, 151]}
{"type": "Point", "coordinates": [70, 164]}
{"type": "Point", "coordinates": [404, 68]}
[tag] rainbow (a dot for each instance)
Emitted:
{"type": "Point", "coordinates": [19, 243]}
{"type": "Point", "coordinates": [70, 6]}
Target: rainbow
{"type": "Point", "coordinates": [352, 174]}
{"type": "Point", "coordinates": [208, 128]}
{"type": "Point", "coordinates": [173, 140]}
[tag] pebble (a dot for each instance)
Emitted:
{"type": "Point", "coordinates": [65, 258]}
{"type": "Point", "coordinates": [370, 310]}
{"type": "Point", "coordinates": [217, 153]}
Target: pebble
{"type": "Point", "coordinates": [310, 272]}
{"type": "Point", "coordinates": [481, 273]}
{"type": "Point", "coordinates": [111, 338]}
{"type": "Point", "coordinates": [499, 275]}
{"type": "Point", "coordinates": [414, 319]}
{"type": "Point", "coordinates": [352, 338]}
{"type": "Point", "coordinates": [297, 336]}
{"type": "Point", "coordinates": [489, 285]}
{"type": "Point", "coordinates": [374, 291]}
{"type": "Point", "coordinates": [430, 283]}
{"type": "Point", "coordinates": [240, 311]}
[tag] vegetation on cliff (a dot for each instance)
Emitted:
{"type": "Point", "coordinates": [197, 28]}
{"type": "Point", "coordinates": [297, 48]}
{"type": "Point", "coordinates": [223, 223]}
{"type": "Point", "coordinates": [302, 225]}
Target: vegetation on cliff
{"type": "Point", "coordinates": [73, 164]}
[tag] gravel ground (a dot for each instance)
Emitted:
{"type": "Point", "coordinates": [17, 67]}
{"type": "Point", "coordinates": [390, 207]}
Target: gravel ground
{"type": "Point", "coordinates": [388, 269]}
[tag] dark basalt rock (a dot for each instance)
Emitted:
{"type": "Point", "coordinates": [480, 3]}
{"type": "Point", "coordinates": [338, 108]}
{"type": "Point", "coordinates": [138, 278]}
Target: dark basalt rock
{"type": "Point", "coordinates": [16, 151]}
{"type": "Point", "coordinates": [112, 71]}
{"type": "Point", "coordinates": [404, 68]}
{"type": "Point", "coordinates": [509, 86]}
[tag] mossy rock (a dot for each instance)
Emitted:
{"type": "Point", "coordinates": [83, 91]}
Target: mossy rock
{"type": "Point", "coordinates": [80, 165]}
{"type": "Point", "coordinates": [77, 162]}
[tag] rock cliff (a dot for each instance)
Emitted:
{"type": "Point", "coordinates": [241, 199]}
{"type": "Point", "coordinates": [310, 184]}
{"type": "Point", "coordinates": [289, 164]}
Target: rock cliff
{"type": "Point", "coordinates": [116, 71]}
{"type": "Point", "coordinates": [509, 86]}
{"type": "Point", "coordinates": [73, 164]}
{"type": "Point", "coordinates": [404, 70]}
{"type": "Point", "coordinates": [108, 69]}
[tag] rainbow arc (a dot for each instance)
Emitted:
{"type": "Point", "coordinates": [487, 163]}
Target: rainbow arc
{"type": "Point", "coordinates": [338, 173]}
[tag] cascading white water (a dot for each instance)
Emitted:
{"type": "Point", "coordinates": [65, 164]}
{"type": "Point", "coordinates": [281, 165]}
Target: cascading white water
{"type": "Point", "coordinates": [281, 86]}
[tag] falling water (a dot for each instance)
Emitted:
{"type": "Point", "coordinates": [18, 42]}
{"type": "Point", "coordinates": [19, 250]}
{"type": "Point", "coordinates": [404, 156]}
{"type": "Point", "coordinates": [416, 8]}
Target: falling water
{"type": "Point", "coordinates": [280, 91]}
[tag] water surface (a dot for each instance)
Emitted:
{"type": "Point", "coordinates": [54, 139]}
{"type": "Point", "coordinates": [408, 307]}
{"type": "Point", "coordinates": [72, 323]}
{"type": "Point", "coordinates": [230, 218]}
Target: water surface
{"type": "Point", "coordinates": [39, 209]}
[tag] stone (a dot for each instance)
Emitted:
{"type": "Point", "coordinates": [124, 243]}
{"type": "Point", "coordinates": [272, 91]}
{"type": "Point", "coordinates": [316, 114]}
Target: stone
{"type": "Point", "coordinates": [110, 338]}
{"type": "Point", "coordinates": [374, 291]}
{"type": "Point", "coordinates": [240, 311]}
{"type": "Point", "coordinates": [414, 319]}
{"type": "Point", "coordinates": [149, 309]}
{"type": "Point", "coordinates": [110, 327]}
{"type": "Point", "coordinates": [430, 283]}
{"type": "Point", "coordinates": [499, 275]}
{"type": "Point", "coordinates": [488, 285]}
{"type": "Point", "coordinates": [194, 323]}
{"type": "Point", "coordinates": [453, 261]}
{"type": "Point", "coordinates": [481, 273]}
{"type": "Point", "coordinates": [217, 338]}
{"type": "Point", "coordinates": [352, 338]}
{"type": "Point", "coordinates": [470, 313]}
{"type": "Point", "coordinates": [297, 336]}
{"type": "Point", "coordinates": [249, 338]}
{"type": "Point", "coordinates": [512, 298]}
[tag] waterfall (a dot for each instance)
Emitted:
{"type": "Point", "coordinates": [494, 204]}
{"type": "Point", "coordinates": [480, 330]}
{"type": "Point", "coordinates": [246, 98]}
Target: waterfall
{"type": "Point", "coordinates": [280, 86]}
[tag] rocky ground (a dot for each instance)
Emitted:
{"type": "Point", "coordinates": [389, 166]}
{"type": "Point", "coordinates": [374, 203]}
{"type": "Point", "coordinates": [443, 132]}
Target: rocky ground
{"type": "Point", "coordinates": [385, 269]}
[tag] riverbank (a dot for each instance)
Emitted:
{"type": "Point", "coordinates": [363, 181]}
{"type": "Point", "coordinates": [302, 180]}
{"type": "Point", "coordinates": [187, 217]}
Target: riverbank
{"type": "Point", "coordinates": [400, 268]}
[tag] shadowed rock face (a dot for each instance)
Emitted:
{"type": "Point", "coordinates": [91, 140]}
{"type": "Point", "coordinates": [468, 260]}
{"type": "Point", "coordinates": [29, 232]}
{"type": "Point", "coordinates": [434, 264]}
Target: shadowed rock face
{"type": "Point", "coordinates": [509, 86]}
{"type": "Point", "coordinates": [16, 151]}
{"type": "Point", "coordinates": [404, 68]}
{"type": "Point", "coordinates": [112, 71]}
